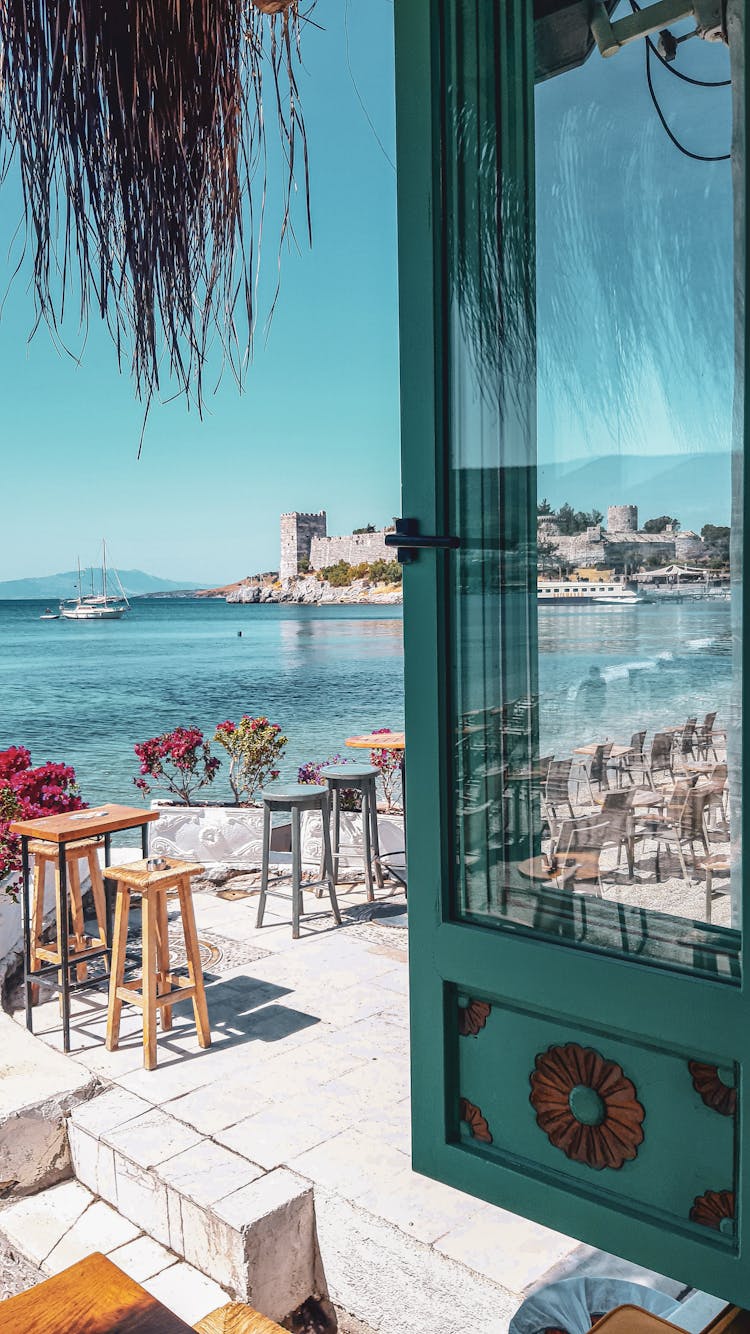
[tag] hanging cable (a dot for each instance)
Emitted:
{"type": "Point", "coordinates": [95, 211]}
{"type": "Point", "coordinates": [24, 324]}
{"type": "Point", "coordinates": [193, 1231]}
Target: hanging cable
{"type": "Point", "coordinates": [696, 157]}
{"type": "Point", "coordinates": [360, 98]}
{"type": "Point", "coordinates": [651, 49]}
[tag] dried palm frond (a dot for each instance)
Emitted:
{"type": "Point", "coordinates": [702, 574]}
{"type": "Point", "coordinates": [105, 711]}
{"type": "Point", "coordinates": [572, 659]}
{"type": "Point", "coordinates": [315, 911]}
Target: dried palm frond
{"type": "Point", "coordinates": [139, 128]}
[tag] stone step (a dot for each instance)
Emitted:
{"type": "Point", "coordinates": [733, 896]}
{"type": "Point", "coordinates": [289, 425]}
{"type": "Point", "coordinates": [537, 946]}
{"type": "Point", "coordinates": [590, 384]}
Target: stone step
{"type": "Point", "coordinates": [273, 1234]}
{"type": "Point", "coordinates": [60, 1226]}
{"type": "Point", "coordinates": [38, 1088]}
{"type": "Point", "coordinates": [259, 1232]}
{"type": "Point", "coordinates": [249, 1230]}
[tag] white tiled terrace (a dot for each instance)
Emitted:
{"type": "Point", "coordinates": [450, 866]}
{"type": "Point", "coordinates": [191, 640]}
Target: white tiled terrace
{"type": "Point", "coordinates": [295, 1123]}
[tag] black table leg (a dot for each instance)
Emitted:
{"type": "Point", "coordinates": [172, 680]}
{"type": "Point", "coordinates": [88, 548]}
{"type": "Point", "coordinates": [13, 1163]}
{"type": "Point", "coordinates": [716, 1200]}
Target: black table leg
{"type": "Point", "coordinates": [26, 931]}
{"type": "Point", "coordinates": [108, 900]}
{"type": "Point", "coordinates": [144, 841]}
{"type": "Point", "coordinates": [62, 939]}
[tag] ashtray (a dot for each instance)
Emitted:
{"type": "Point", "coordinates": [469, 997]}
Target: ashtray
{"type": "Point", "coordinates": [156, 864]}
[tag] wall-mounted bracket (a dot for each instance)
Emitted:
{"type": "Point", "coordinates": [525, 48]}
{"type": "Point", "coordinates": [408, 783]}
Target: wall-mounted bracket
{"type": "Point", "coordinates": [611, 37]}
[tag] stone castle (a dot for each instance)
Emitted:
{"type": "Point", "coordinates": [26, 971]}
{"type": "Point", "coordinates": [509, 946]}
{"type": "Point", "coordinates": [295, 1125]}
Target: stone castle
{"type": "Point", "coordinates": [305, 544]}
{"type": "Point", "coordinates": [620, 543]}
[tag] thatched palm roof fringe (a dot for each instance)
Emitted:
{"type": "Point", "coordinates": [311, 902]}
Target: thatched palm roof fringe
{"type": "Point", "coordinates": [140, 135]}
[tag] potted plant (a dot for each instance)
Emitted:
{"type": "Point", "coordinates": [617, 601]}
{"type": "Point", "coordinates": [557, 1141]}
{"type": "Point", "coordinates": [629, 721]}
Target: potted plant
{"type": "Point", "coordinates": [390, 821]}
{"type": "Point", "coordinates": [26, 791]}
{"type": "Point", "coordinates": [182, 762]}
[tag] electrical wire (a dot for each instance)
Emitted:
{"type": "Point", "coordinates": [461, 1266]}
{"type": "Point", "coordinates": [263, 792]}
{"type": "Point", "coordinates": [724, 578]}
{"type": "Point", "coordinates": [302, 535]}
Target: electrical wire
{"type": "Point", "coordinates": [696, 157]}
{"type": "Point", "coordinates": [651, 49]}
{"type": "Point", "coordinates": [360, 99]}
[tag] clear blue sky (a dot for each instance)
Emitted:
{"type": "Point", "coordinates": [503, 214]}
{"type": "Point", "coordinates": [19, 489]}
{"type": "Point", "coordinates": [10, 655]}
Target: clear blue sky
{"type": "Point", "coordinates": [317, 426]}
{"type": "Point", "coordinates": [634, 317]}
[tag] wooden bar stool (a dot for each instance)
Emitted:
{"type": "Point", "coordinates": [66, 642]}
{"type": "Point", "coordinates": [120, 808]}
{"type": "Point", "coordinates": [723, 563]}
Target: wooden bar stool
{"type": "Point", "coordinates": [80, 946]}
{"type": "Point", "coordinates": [156, 988]}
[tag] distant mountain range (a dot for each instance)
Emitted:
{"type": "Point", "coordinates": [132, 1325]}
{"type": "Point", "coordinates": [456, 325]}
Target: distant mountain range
{"type": "Point", "coordinates": [53, 586]}
{"type": "Point", "coordinates": [694, 488]}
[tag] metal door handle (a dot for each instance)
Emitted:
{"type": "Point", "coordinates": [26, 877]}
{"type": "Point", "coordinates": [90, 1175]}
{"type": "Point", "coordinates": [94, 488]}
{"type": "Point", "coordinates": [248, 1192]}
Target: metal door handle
{"type": "Point", "coordinates": [407, 539]}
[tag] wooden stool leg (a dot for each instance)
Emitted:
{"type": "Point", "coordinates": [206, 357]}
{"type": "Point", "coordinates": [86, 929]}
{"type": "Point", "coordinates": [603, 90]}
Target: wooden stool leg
{"type": "Point", "coordinates": [148, 981]}
{"type": "Point", "coordinates": [37, 919]}
{"type": "Point", "coordinates": [76, 915]}
{"type": "Point", "coordinates": [329, 860]}
{"type": "Point", "coordinates": [195, 967]}
{"type": "Point", "coordinates": [117, 972]}
{"type": "Point", "coordinates": [99, 897]}
{"type": "Point", "coordinates": [264, 860]}
{"type": "Point", "coordinates": [162, 958]}
{"type": "Point", "coordinates": [297, 871]}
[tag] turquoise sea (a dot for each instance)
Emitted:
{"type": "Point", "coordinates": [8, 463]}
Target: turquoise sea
{"type": "Point", "coordinates": [85, 693]}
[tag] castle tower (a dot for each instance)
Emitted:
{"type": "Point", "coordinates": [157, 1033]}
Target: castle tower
{"type": "Point", "coordinates": [297, 533]}
{"type": "Point", "coordinates": [622, 519]}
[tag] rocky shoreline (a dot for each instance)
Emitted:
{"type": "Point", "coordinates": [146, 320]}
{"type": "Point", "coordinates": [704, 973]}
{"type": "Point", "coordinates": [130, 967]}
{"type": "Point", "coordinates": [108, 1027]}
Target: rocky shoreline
{"type": "Point", "coordinates": [308, 590]}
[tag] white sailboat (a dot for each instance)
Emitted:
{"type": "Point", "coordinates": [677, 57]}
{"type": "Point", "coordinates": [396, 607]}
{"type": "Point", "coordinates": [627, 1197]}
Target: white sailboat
{"type": "Point", "coordinates": [92, 606]}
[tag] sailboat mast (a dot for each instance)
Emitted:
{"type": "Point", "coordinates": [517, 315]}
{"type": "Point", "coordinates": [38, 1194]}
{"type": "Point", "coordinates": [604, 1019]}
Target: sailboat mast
{"type": "Point", "coordinates": [104, 569]}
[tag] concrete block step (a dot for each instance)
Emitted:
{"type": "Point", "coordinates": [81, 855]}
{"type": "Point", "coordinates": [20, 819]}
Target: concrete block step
{"type": "Point", "coordinates": [249, 1230]}
{"type": "Point", "coordinates": [65, 1223]}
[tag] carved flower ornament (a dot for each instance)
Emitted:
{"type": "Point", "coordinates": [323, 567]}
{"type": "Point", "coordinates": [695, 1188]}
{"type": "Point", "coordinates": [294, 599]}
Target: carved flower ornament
{"type": "Point", "coordinates": [586, 1106]}
{"type": "Point", "coordinates": [477, 1123]}
{"type": "Point", "coordinates": [472, 1017]}
{"type": "Point", "coordinates": [715, 1086]}
{"type": "Point", "coordinates": [714, 1209]}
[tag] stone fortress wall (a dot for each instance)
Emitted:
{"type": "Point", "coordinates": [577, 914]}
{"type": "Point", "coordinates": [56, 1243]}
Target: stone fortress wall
{"type": "Point", "coordinates": [355, 548]}
{"type": "Point", "coordinates": [304, 538]}
{"type": "Point", "coordinates": [298, 531]}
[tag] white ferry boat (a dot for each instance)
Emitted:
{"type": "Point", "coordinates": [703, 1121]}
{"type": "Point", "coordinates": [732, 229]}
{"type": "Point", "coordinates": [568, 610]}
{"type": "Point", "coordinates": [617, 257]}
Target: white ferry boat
{"type": "Point", "coordinates": [104, 606]}
{"type": "Point", "coordinates": [579, 592]}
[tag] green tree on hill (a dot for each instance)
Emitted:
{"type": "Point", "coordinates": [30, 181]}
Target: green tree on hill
{"type": "Point", "coordinates": [571, 522]}
{"type": "Point", "coordinates": [660, 524]}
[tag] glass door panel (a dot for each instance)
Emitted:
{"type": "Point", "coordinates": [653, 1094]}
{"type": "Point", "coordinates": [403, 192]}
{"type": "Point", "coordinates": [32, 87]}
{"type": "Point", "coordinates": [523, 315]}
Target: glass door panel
{"type": "Point", "coordinates": [596, 597]}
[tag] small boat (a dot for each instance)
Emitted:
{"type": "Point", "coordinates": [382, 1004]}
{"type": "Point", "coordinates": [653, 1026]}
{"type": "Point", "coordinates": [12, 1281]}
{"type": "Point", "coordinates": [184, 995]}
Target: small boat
{"type": "Point", "coordinates": [93, 606]}
{"type": "Point", "coordinates": [49, 615]}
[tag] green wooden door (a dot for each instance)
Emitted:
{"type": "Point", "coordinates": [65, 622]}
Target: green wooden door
{"type": "Point", "coordinates": [572, 294]}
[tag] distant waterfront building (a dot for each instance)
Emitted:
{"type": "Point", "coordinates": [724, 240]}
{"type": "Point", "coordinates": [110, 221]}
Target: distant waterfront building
{"type": "Point", "coordinates": [620, 543]}
{"type": "Point", "coordinates": [304, 541]}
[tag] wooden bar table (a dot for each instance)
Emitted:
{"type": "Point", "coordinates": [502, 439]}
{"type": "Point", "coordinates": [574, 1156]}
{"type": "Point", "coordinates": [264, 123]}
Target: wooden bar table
{"type": "Point", "coordinates": [384, 741]}
{"type": "Point", "coordinates": [92, 1296]}
{"type": "Point", "coordinates": [58, 830]}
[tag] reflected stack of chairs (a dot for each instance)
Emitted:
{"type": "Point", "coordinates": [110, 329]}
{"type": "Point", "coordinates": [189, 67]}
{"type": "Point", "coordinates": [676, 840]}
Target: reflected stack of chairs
{"type": "Point", "coordinates": [657, 806]}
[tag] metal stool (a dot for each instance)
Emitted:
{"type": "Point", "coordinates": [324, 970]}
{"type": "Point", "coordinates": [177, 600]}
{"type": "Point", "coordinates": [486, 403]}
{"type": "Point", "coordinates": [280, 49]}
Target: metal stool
{"type": "Point", "coordinates": [361, 779]}
{"type": "Point", "coordinates": [157, 988]}
{"type": "Point", "coordinates": [294, 799]}
{"type": "Point", "coordinates": [81, 948]}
